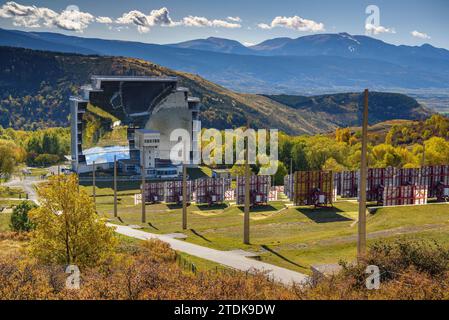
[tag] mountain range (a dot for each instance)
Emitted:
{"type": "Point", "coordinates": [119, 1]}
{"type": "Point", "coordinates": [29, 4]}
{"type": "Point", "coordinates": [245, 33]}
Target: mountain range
{"type": "Point", "coordinates": [306, 65]}
{"type": "Point", "coordinates": [35, 87]}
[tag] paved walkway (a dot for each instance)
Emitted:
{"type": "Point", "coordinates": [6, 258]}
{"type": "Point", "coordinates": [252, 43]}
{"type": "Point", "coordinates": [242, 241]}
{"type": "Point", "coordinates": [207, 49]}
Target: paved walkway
{"type": "Point", "coordinates": [232, 259]}
{"type": "Point", "coordinates": [27, 184]}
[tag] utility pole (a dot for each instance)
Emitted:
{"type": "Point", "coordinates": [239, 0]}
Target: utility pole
{"type": "Point", "coordinates": [142, 189]}
{"type": "Point", "coordinates": [94, 191]}
{"type": "Point", "coordinates": [247, 193]}
{"type": "Point", "coordinates": [115, 187]}
{"type": "Point", "coordinates": [361, 243]}
{"type": "Point", "coordinates": [291, 167]}
{"type": "Point", "coordinates": [184, 196]}
{"type": "Point", "coordinates": [423, 154]}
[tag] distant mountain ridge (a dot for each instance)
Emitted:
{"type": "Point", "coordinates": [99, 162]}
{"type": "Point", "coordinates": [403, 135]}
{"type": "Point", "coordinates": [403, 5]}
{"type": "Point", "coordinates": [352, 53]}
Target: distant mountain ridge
{"type": "Point", "coordinates": [215, 45]}
{"type": "Point", "coordinates": [311, 64]}
{"type": "Point", "coordinates": [35, 87]}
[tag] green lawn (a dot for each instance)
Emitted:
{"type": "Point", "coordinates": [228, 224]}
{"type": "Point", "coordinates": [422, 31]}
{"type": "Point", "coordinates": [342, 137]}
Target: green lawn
{"type": "Point", "coordinates": [4, 221]}
{"type": "Point", "coordinates": [11, 192]}
{"type": "Point", "coordinates": [294, 238]}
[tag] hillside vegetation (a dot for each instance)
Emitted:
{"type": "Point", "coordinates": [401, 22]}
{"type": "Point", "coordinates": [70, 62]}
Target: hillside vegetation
{"type": "Point", "coordinates": [35, 87]}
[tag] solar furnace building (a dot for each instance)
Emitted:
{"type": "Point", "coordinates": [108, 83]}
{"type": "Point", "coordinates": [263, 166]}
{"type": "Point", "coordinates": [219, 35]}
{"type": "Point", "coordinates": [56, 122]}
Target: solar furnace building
{"type": "Point", "coordinates": [150, 108]}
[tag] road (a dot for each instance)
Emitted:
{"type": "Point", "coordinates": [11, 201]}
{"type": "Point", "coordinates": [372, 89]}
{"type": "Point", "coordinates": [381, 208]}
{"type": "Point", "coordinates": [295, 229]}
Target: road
{"type": "Point", "coordinates": [27, 184]}
{"type": "Point", "coordinates": [230, 259]}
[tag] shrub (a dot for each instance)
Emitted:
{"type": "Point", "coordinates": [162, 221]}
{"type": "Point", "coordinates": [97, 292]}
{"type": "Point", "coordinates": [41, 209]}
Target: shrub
{"type": "Point", "coordinates": [20, 221]}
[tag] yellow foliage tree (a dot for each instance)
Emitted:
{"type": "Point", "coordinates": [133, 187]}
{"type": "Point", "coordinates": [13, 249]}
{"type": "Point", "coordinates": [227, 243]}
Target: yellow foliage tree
{"type": "Point", "coordinates": [68, 230]}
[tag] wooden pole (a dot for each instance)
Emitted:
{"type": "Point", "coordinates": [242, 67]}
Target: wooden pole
{"type": "Point", "coordinates": [115, 187]}
{"type": "Point", "coordinates": [142, 189]}
{"type": "Point", "coordinates": [291, 166]}
{"type": "Point", "coordinates": [94, 191]}
{"type": "Point", "coordinates": [423, 154]}
{"type": "Point", "coordinates": [184, 196]}
{"type": "Point", "coordinates": [361, 243]}
{"type": "Point", "coordinates": [247, 195]}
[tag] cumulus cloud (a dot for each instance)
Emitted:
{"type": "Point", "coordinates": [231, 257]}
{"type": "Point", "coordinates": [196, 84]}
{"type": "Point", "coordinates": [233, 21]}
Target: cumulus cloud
{"type": "Point", "coordinates": [75, 20]}
{"type": "Point", "coordinates": [33, 17]}
{"type": "Point", "coordinates": [234, 19]}
{"type": "Point", "coordinates": [420, 35]}
{"type": "Point", "coordinates": [373, 29]}
{"type": "Point", "coordinates": [144, 23]}
{"type": "Point", "coordinates": [104, 20]}
{"type": "Point", "coordinates": [194, 21]}
{"type": "Point", "coordinates": [295, 22]}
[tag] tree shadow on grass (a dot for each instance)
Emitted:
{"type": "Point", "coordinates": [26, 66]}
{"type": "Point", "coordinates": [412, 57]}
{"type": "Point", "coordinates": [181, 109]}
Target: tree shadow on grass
{"type": "Point", "coordinates": [323, 215]}
{"type": "Point", "coordinates": [199, 235]}
{"type": "Point", "coordinates": [281, 256]}
{"type": "Point", "coordinates": [174, 206]}
{"type": "Point", "coordinates": [205, 207]}
{"type": "Point", "coordinates": [256, 209]}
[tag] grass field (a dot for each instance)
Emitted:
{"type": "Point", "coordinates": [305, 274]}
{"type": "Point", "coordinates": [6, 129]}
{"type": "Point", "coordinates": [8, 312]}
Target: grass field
{"type": "Point", "coordinates": [11, 192]}
{"type": "Point", "coordinates": [295, 237]}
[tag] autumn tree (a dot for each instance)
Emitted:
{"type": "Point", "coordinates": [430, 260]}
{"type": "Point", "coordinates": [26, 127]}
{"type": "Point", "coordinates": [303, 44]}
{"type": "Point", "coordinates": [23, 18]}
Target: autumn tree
{"type": "Point", "coordinates": [10, 155]}
{"type": "Point", "coordinates": [68, 230]}
{"type": "Point", "coordinates": [342, 135]}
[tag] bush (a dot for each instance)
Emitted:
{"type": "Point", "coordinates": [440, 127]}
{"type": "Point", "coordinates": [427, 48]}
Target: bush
{"type": "Point", "coordinates": [20, 221]}
{"type": "Point", "coordinates": [46, 159]}
{"type": "Point", "coordinates": [409, 269]}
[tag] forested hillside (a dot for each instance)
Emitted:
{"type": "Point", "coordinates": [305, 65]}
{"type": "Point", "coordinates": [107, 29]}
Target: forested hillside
{"type": "Point", "coordinates": [35, 87]}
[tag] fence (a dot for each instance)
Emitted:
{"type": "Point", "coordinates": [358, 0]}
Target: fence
{"type": "Point", "coordinates": [259, 187]}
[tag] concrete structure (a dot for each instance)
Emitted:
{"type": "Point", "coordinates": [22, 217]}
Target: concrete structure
{"type": "Point", "coordinates": [150, 108]}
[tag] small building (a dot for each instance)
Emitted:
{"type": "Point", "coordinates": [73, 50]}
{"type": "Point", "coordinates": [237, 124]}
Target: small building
{"type": "Point", "coordinates": [147, 142]}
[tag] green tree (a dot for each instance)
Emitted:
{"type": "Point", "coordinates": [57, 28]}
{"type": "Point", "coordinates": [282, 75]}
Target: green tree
{"type": "Point", "coordinates": [332, 165]}
{"type": "Point", "coordinates": [280, 174]}
{"type": "Point", "coordinates": [68, 230]}
{"type": "Point", "coordinates": [237, 170]}
{"type": "Point", "coordinates": [19, 218]}
{"type": "Point", "coordinates": [7, 159]}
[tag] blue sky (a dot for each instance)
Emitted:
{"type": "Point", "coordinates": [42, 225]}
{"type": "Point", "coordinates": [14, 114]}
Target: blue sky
{"type": "Point", "coordinates": [428, 20]}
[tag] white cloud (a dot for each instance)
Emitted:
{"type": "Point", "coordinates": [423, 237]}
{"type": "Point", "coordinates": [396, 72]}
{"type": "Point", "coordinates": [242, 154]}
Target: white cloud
{"type": "Point", "coordinates": [33, 17]}
{"type": "Point", "coordinates": [75, 20]}
{"type": "Point", "coordinates": [373, 29]}
{"type": "Point", "coordinates": [264, 26]}
{"type": "Point", "coordinates": [295, 22]}
{"type": "Point", "coordinates": [145, 22]}
{"type": "Point", "coordinates": [105, 20]}
{"type": "Point", "coordinates": [234, 19]}
{"type": "Point", "coordinates": [420, 35]}
{"type": "Point", "coordinates": [194, 21]}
